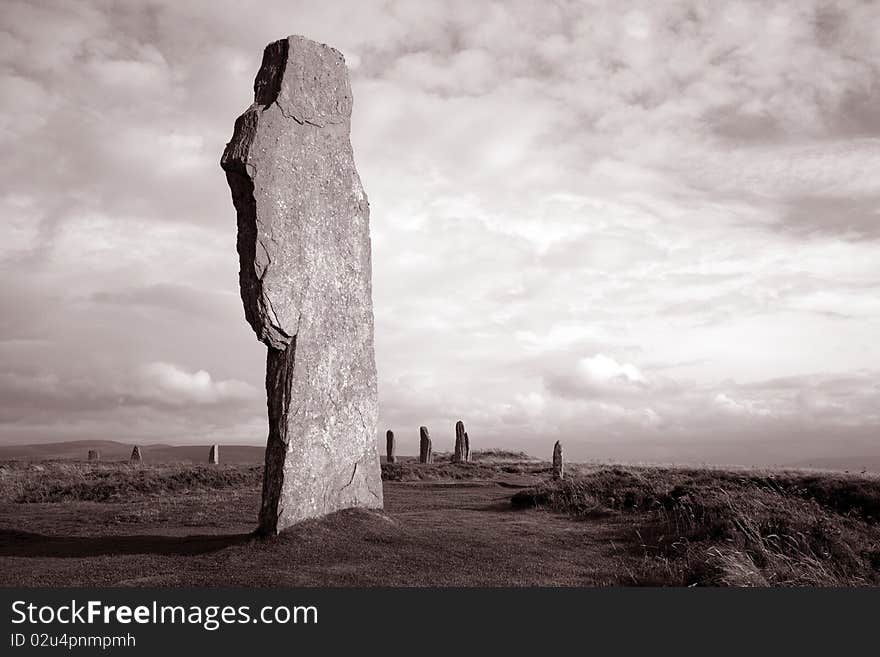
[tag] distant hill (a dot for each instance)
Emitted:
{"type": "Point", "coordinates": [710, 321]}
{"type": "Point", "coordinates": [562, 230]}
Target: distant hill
{"type": "Point", "coordinates": [111, 450]}
{"type": "Point", "coordinates": [850, 463]}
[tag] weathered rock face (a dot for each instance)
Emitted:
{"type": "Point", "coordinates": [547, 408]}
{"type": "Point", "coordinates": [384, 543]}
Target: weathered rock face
{"type": "Point", "coordinates": [305, 278]}
{"type": "Point", "coordinates": [426, 455]}
{"type": "Point", "coordinates": [389, 446]}
{"type": "Point", "coordinates": [94, 455]}
{"type": "Point", "coordinates": [136, 454]}
{"type": "Point", "coordinates": [214, 455]}
{"type": "Point", "coordinates": [557, 461]}
{"type": "Point", "coordinates": [459, 455]}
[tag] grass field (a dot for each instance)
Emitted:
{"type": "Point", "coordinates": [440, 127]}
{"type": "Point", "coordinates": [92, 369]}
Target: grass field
{"type": "Point", "coordinates": [497, 521]}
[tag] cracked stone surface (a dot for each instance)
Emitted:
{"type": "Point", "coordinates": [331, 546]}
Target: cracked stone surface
{"type": "Point", "coordinates": [558, 467]}
{"type": "Point", "coordinates": [461, 454]}
{"type": "Point", "coordinates": [389, 446]}
{"type": "Point", "coordinates": [426, 454]}
{"type": "Point", "coordinates": [305, 279]}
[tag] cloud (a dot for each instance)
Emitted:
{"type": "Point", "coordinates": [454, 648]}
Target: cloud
{"type": "Point", "coordinates": [820, 169]}
{"type": "Point", "coordinates": [621, 222]}
{"type": "Point", "coordinates": [29, 392]}
{"type": "Point", "coordinates": [730, 405]}
{"type": "Point", "coordinates": [183, 299]}
{"type": "Point", "coordinates": [601, 369]}
{"type": "Point", "coordinates": [167, 383]}
{"type": "Point", "coordinates": [596, 376]}
{"type": "Point", "coordinates": [845, 216]}
{"type": "Point", "coordinates": [32, 396]}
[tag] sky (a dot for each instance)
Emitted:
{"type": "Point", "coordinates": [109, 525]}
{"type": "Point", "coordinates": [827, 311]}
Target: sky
{"type": "Point", "coordinates": [649, 230]}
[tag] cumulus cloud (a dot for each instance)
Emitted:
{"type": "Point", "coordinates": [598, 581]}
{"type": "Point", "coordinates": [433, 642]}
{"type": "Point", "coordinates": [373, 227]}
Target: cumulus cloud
{"type": "Point", "coordinates": [598, 375]}
{"type": "Point", "coordinates": [739, 407]}
{"type": "Point", "coordinates": [169, 384]}
{"type": "Point", "coordinates": [601, 369]}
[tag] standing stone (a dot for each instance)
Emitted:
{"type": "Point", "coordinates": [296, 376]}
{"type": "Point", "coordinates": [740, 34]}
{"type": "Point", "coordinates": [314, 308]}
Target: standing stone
{"type": "Point", "coordinates": [94, 455]}
{"type": "Point", "coordinates": [467, 448]}
{"type": "Point", "coordinates": [459, 455]}
{"type": "Point", "coordinates": [305, 278]}
{"type": "Point", "coordinates": [136, 454]}
{"type": "Point", "coordinates": [425, 453]}
{"type": "Point", "coordinates": [214, 455]}
{"type": "Point", "coordinates": [389, 446]}
{"type": "Point", "coordinates": [557, 461]}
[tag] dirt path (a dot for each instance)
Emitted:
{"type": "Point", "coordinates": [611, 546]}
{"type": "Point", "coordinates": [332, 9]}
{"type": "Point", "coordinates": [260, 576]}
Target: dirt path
{"type": "Point", "coordinates": [431, 534]}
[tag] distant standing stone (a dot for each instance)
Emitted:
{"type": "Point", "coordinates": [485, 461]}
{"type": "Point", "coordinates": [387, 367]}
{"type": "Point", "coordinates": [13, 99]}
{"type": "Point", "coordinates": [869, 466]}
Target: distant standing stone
{"type": "Point", "coordinates": [214, 455]}
{"type": "Point", "coordinates": [305, 277]}
{"type": "Point", "coordinates": [136, 454]}
{"type": "Point", "coordinates": [460, 455]}
{"type": "Point", "coordinates": [94, 455]}
{"type": "Point", "coordinates": [425, 453]}
{"type": "Point", "coordinates": [467, 448]}
{"type": "Point", "coordinates": [557, 461]}
{"type": "Point", "coordinates": [389, 446]}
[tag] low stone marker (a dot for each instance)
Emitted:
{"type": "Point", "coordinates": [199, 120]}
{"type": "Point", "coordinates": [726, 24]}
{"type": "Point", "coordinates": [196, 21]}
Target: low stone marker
{"type": "Point", "coordinates": [425, 453]}
{"type": "Point", "coordinates": [214, 455]}
{"type": "Point", "coordinates": [136, 454]}
{"type": "Point", "coordinates": [557, 461]}
{"type": "Point", "coordinates": [94, 455]}
{"type": "Point", "coordinates": [389, 446]}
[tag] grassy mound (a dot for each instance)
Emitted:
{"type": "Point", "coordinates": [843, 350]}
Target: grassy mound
{"type": "Point", "coordinates": [108, 482]}
{"type": "Point", "coordinates": [411, 471]}
{"type": "Point", "coordinates": [501, 456]}
{"type": "Point", "coordinates": [733, 528]}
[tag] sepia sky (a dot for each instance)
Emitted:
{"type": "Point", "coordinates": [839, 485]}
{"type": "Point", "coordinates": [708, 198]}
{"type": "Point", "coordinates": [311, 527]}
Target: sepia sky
{"type": "Point", "coordinates": [647, 229]}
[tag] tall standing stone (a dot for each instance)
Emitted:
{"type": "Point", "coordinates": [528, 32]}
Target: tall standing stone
{"type": "Point", "coordinates": [214, 455]}
{"type": "Point", "coordinates": [426, 455]}
{"type": "Point", "coordinates": [94, 455]}
{"type": "Point", "coordinates": [467, 448]}
{"type": "Point", "coordinates": [305, 278]}
{"type": "Point", "coordinates": [136, 454]}
{"type": "Point", "coordinates": [557, 461]}
{"type": "Point", "coordinates": [460, 453]}
{"type": "Point", "coordinates": [389, 446]}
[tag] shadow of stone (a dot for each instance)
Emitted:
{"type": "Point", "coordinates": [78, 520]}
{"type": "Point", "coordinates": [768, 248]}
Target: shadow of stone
{"type": "Point", "coordinates": [15, 543]}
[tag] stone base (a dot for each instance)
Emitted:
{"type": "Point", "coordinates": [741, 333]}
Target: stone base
{"type": "Point", "coordinates": [318, 459]}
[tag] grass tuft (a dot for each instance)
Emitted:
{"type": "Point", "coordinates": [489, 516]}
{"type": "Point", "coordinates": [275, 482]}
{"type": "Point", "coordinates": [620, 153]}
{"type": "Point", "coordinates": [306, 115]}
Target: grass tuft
{"type": "Point", "coordinates": [714, 527]}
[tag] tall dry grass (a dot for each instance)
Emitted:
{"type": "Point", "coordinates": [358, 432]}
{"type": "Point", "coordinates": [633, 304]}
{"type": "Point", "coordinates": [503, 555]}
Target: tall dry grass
{"type": "Point", "coordinates": [63, 481]}
{"type": "Point", "coordinates": [713, 527]}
